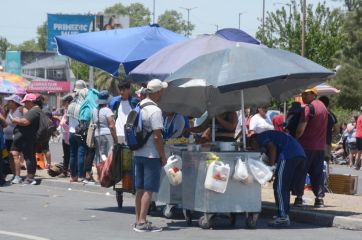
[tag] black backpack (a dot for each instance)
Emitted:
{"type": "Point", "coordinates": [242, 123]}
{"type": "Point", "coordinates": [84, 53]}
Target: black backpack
{"type": "Point", "coordinates": [135, 135]}
{"type": "Point", "coordinates": [293, 117]}
{"type": "Point", "coordinates": [42, 134]}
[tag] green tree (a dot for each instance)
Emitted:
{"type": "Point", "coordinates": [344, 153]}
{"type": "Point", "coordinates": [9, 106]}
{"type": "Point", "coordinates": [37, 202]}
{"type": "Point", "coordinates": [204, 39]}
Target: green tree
{"type": "Point", "coordinates": [323, 31]}
{"type": "Point", "coordinates": [80, 70]}
{"type": "Point", "coordinates": [139, 15]}
{"type": "Point", "coordinates": [4, 45]}
{"type": "Point", "coordinates": [29, 46]}
{"type": "Point", "coordinates": [42, 37]}
{"type": "Point", "coordinates": [173, 21]}
{"type": "Point", "coordinates": [349, 77]}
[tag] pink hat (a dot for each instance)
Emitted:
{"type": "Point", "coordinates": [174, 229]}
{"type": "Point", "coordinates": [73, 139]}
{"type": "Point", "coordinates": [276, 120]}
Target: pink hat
{"type": "Point", "coordinates": [30, 97]}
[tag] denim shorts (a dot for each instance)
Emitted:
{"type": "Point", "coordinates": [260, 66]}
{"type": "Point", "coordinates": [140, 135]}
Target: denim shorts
{"type": "Point", "coordinates": [146, 173]}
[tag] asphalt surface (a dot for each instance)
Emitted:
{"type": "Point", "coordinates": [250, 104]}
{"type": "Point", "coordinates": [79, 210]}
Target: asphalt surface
{"type": "Point", "coordinates": [44, 212]}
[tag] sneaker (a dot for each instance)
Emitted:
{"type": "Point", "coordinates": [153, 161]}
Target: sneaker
{"type": "Point", "coordinates": [280, 222]}
{"type": "Point", "coordinates": [17, 180]}
{"type": "Point", "coordinates": [298, 202]}
{"type": "Point", "coordinates": [29, 181]}
{"type": "Point", "coordinates": [319, 203]}
{"type": "Point", "coordinates": [146, 227]}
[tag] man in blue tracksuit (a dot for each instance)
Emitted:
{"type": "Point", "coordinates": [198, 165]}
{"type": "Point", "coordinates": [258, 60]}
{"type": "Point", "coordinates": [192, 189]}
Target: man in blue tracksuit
{"type": "Point", "coordinates": [289, 157]}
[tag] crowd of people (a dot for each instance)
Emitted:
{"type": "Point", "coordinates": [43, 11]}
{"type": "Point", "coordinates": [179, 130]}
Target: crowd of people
{"type": "Point", "coordinates": [298, 143]}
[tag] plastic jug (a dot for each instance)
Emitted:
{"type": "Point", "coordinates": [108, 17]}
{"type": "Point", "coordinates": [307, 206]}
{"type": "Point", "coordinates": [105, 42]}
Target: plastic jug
{"type": "Point", "coordinates": [217, 176]}
{"type": "Point", "coordinates": [173, 169]}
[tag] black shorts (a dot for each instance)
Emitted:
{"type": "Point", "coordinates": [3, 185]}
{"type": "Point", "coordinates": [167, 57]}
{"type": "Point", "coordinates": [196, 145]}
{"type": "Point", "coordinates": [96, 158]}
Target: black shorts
{"type": "Point", "coordinates": [359, 144]}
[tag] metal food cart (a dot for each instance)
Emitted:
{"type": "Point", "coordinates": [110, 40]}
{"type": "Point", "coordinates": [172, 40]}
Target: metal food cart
{"type": "Point", "coordinates": [238, 197]}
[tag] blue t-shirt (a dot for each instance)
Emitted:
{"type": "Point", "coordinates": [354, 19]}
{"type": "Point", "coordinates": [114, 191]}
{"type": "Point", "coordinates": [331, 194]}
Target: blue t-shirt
{"type": "Point", "coordinates": [285, 143]}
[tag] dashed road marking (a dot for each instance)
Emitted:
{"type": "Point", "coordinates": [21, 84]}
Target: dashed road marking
{"type": "Point", "coordinates": [26, 236]}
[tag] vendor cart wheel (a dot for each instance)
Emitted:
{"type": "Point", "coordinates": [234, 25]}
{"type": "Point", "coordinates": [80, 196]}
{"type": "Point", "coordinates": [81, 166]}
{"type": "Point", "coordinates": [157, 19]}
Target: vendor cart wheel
{"type": "Point", "coordinates": [119, 198]}
{"type": "Point", "coordinates": [169, 211]}
{"type": "Point", "coordinates": [188, 217]}
{"type": "Point", "coordinates": [251, 220]}
{"type": "Point", "coordinates": [206, 221]}
{"type": "Point", "coordinates": [232, 219]}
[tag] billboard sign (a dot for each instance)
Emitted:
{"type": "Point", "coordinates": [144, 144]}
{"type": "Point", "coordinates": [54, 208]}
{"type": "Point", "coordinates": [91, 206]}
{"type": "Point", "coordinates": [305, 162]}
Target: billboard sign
{"type": "Point", "coordinates": [13, 62]}
{"type": "Point", "coordinates": [59, 24]}
{"type": "Point", "coordinates": [108, 22]}
{"type": "Point", "coordinates": [49, 86]}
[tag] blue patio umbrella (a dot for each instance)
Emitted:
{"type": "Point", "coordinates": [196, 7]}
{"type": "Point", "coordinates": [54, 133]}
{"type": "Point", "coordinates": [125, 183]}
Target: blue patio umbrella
{"type": "Point", "coordinates": [171, 58]}
{"type": "Point", "coordinates": [109, 49]}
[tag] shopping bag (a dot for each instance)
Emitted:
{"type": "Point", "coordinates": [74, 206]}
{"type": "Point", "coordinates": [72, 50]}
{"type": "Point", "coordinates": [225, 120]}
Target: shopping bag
{"type": "Point", "coordinates": [90, 135]}
{"type": "Point", "coordinates": [261, 172]}
{"type": "Point", "coordinates": [116, 168]}
{"type": "Point", "coordinates": [241, 170]}
{"type": "Point", "coordinates": [104, 170]}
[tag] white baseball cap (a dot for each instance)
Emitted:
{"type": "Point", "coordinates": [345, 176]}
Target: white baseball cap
{"type": "Point", "coordinates": [14, 98]}
{"type": "Point", "coordinates": [155, 85]}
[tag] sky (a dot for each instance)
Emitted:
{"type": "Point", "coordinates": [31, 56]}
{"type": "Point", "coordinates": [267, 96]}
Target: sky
{"type": "Point", "coordinates": [19, 19]}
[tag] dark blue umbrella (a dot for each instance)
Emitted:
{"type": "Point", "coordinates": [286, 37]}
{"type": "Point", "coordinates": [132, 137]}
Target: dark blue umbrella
{"type": "Point", "coordinates": [171, 58]}
{"type": "Point", "coordinates": [236, 35]}
{"type": "Point", "coordinates": [108, 49]}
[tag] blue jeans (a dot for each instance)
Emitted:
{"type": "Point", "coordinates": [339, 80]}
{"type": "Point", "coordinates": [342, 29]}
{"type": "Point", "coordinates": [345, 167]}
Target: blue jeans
{"type": "Point", "coordinates": [146, 173]}
{"type": "Point", "coordinates": [77, 156]}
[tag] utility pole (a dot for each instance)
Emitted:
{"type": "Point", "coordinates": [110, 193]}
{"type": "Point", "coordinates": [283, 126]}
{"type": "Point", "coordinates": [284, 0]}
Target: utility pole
{"type": "Point", "coordinates": [241, 13]}
{"type": "Point", "coordinates": [304, 9]}
{"type": "Point", "coordinates": [263, 19]}
{"type": "Point", "coordinates": [154, 11]}
{"type": "Point", "coordinates": [188, 19]}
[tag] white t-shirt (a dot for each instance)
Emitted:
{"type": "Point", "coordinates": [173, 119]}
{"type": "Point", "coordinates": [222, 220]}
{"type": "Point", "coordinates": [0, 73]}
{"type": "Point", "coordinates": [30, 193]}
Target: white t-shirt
{"type": "Point", "coordinates": [73, 123]}
{"type": "Point", "coordinates": [124, 109]}
{"type": "Point", "coordinates": [104, 114]}
{"type": "Point", "coordinates": [259, 124]}
{"type": "Point", "coordinates": [152, 120]}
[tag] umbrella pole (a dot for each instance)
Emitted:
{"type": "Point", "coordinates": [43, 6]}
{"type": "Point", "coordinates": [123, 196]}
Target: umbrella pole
{"type": "Point", "coordinates": [285, 109]}
{"type": "Point", "coordinates": [243, 119]}
{"type": "Point", "coordinates": [213, 129]}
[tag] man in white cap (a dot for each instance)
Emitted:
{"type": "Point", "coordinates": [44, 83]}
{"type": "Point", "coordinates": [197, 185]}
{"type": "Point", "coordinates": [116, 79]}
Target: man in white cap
{"type": "Point", "coordinates": [149, 158]}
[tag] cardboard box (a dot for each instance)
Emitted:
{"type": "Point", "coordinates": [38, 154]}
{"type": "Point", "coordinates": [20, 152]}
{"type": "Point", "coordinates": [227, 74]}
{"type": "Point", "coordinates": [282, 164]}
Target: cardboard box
{"type": "Point", "coordinates": [343, 184]}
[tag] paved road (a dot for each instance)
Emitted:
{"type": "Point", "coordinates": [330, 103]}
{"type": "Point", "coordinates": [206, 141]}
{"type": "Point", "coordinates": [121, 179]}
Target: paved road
{"type": "Point", "coordinates": [43, 212]}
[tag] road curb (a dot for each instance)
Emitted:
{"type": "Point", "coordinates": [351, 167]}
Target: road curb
{"type": "Point", "coordinates": [318, 218]}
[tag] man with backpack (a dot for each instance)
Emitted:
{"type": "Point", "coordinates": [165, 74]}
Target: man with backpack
{"type": "Point", "coordinates": [311, 134]}
{"type": "Point", "coordinates": [121, 106]}
{"type": "Point", "coordinates": [148, 158]}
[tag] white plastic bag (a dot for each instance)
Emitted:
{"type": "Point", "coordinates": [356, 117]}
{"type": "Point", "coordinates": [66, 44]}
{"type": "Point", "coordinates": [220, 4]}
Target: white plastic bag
{"type": "Point", "coordinates": [217, 176]}
{"type": "Point", "coordinates": [241, 170]}
{"type": "Point", "coordinates": [261, 172]}
{"type": "Point", "coordinates": [173, 169]}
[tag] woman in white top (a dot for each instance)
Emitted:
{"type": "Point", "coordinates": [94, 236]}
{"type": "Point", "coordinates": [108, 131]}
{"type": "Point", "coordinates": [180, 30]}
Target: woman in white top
{"type": "Point", "coordinates": [16, 110]}
{"type": "Point", "coordinates": [259, 123]}
{"type": "Point", "coordinates": [105, 135]}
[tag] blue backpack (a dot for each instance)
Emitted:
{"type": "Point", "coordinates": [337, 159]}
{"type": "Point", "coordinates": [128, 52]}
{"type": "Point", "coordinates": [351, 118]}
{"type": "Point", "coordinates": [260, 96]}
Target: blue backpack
{"type": "Point", "coordinates": [135, 135]}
